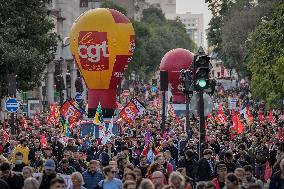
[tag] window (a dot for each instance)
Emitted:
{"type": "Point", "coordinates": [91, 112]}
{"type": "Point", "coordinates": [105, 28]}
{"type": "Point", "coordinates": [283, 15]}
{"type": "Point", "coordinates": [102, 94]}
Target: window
{"type": "Point", "coordinates": [83, 3]}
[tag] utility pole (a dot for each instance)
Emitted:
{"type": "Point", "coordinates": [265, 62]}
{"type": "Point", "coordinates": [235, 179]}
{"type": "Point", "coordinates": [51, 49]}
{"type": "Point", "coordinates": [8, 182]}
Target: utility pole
{"type": "Point", "coordinates": [163, 110]}
{"type": "Point", "coordinates": [164, 88]}
{"type": "Point", "coordinates": [12, 89]}
{"type": "Point", "coordinates": [202, 132]}
{"type": "Point", "coordinates": [187, 113]}
{"type": "Point", "coordinates": [201, 72]}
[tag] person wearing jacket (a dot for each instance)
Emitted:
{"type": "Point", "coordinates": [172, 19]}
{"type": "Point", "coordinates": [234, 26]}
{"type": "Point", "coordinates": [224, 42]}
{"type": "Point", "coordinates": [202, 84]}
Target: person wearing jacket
{"type": "Point", "coordinates": [150, 152]}
{"type": "Point", "coordinates": [189, 163]}
{"type": "Point", "coordinates": [23, 148]}
{"type": "Point", "coordinates": [277, 178]}
{"type": "Point", "coordinates": [219, 181]}
{"type": "Point", "coordinates": [49, 173]}
{"type": "Point", "coordinates": [102, 156]}
{"type": "Point", "coordinates": [92, 176]}
{"type": "Point", "coordinates": [65, 168]}
{"type": "Point", "coordinates": [228, 161]}
{"type": "Point", "coordinates": [13, 180]}
{"type": "Point", "coordinates": [205, 167]}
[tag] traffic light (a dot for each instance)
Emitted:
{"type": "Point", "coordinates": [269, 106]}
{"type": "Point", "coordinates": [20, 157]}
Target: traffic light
{"type": "Point", "coordinates": [59, 83]}
{"type": "Point", "coordinates": [79, 85]}
{"type": "Point", "coordinates": [187, 81]}
{"type": "Point", "coordinates": [201, 72]}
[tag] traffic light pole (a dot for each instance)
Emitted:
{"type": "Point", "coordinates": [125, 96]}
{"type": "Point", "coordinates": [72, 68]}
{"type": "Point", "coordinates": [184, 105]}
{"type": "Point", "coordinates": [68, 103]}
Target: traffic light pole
{"type": "Point", "coordinates": [201, 123]}
{"type": "Point", "coordinates": [163, 110]}
{"type": "Point", "coordinates": [187, 113]}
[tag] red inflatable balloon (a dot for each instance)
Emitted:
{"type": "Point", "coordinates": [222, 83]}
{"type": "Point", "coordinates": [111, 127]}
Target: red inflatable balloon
{"type": "Point", "coordinates": [174, 61]}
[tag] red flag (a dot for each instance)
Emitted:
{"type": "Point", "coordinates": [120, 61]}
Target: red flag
{"type": "Point", "coordinates": [43, 141]}
{"type": "Point", "coordinates": [24, 122]}
{"type": "Point", "coordinates": [250, 116]}
{"type": "Point", "coordinates": [261, 118]}
{"type": "Point", "coordinates": [165, 136]}
{"type": "Point", "coordinates": [221, 117]}
{"type": "Point", "coordinates": [237, 124]}
{"type": "Point", "coordinates": [36, 121]}
{"type": "Point", "coordinates": [5, 136]}
{"type": "Point", "coordinates": [240, 125]}
{"type": "Point", "coordinates": [271, 118]}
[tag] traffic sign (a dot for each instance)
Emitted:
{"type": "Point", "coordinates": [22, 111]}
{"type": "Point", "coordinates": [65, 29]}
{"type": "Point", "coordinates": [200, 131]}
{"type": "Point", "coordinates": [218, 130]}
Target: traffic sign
{"type": "Point", "coordinates": [12, 105]}
{"type": "Point", "coordinates": [78, 98]}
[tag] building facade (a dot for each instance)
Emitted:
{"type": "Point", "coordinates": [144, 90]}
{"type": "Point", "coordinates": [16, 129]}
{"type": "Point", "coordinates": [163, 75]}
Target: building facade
{"type": "Point", "coordinates": [194, 26]}
{"type": "Point", "coordinates": [167, 6]}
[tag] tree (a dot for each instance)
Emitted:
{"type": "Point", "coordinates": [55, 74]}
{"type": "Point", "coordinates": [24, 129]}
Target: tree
{"type": "Point", "coordinates": [27, 42]}
{"type": "Point", "coordinates": [243, 19]}
{"type": "Point", "coordinates": [155, 36]}
{"type": "Point", "coordinates": [265, 59]}
{"type": "Point", "coordinates": [219, 10]}
{"type": "Point", "coordinates": [112, 5]}
{"type": "Point", "coordinates": [230, 26]}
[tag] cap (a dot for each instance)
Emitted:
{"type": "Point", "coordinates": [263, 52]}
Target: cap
{"type": "Point", "coordinates": [49, 164]}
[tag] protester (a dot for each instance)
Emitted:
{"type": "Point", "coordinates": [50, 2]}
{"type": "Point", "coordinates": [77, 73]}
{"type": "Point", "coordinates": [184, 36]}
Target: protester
{"type": "Point", "coordinates": [178, 181]}
{"type": "Point", "coordinates": [158, 179]}
{"type": "Point", "coordinates": [249, 178]}
{"type": "Point", "coordinates": [65, 168]}
{"type": "Point", "coordinates": [110, 181]}
{"type": "Point", "coordinates": [19, 164]}
{"type": "Point", "coordinates": [4, 184]}
{"type": "Point", "coordinates": [57, 183]}
{"type": "Point", "coordinates": [49, 173]}
{"type": "Point", "coordinates": [129, 185]}
{"type": "Point", "coordinates": [277, 178]}
{"type": "Point", "coordinates": [92, 176]}
{"type": "Point", "coordinates": [231, 181]}
{"type": "Point", "coordinates": [205, 167]}
{"type": "Point", "coordinates": [13, 180]}
{"type": "Point", "coordinates": [219, 181]}
{"type": "Point", "coordinates": [146, 184]}
{"type": "Point", "coordinates": [27, 172]}
{"type": "Point", "coordinates": [77, 181]}
{"type": "Point", "coordinates": [143, 149]}
{"type": "Point", "coordinates": [23, 149]}
{"type": "Point", "coordinates": [31, 183]}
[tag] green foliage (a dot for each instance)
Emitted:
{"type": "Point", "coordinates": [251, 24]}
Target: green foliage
{"type": "Point", "coordinates": [153, 15]}
{"type": "Point", "coordinates": [265, 59]}
{"type": "Point", "coordinates": [230, 26]}
{"type": "Point", "coordinates": [110, 4]}
{"type": "Point", "coordinates": [155, 36]}
{"type": "Point", "coordinates": [26, 42]}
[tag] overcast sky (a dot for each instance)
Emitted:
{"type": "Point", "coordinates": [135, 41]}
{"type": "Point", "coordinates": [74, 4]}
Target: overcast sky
{"type": "Point", "coordinates": [195, 6]}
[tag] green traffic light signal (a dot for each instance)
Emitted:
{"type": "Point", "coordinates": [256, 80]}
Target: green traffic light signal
{"type": "Point", "coordinates": [202, 83]}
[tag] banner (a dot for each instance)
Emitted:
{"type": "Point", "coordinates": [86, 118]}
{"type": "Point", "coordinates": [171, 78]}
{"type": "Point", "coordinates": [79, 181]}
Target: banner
{"type": "Point", "coordinates": [72, 110]}
{"type": "Point", "coordinates": [53, 116]}
{"type": "Point", "coordinates": [233, 103]}
{"type": "Point", "coordinates": [132, 110]}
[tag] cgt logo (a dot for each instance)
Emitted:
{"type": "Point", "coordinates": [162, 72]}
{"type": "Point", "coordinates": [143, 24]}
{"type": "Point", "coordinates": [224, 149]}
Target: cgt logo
{"type": "Point", "coordinates": [93, 50]}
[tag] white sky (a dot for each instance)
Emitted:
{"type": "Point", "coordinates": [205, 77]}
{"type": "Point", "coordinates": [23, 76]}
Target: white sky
{"type": "Point", "coordinates": [196, 7]}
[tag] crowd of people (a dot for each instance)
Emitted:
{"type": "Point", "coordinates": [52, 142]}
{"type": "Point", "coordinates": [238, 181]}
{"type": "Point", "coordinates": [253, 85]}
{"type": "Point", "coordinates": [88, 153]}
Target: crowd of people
{"type": "Point", "coordinates": [144, 156]}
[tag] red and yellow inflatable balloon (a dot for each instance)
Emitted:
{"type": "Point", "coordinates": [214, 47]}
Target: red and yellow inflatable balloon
{"type": "Point", "coordinates": [102, 43]}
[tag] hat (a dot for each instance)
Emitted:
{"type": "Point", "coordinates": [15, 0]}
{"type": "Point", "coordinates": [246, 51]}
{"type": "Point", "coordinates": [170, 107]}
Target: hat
{"type": "Point", "coordinates": [49, 164]}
